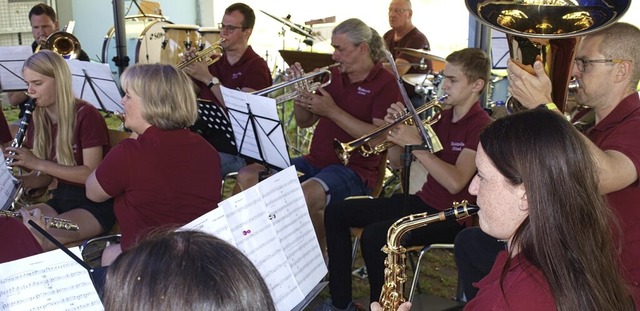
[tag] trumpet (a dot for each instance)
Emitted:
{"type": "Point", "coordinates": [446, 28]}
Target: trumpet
{"type": "Point", "coordinates": [301, 83]}
{"type": "Point", "coordinates": [344, 150]}
{"type": "Point", "coordinates": [214, 49]}
{"type": "Point", "coordinates": [57, 223]}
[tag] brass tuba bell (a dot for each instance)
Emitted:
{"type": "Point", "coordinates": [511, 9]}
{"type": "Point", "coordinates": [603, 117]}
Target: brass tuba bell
{"type": "Point", "coordinates": [547, 30]}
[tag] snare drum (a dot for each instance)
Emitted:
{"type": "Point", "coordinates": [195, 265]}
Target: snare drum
{"type": "Point", "coordinates": [177, 40]}
{"type": "Point", "coordinates": [208, 36]}
{"type": "Point", "coordinates": [144, 41]}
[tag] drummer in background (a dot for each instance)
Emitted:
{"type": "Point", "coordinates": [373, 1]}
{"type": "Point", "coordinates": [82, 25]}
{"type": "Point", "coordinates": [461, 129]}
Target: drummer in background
{"type": "Point", "coordinates": [43, 22]}
{"type": "Point", "coordinates": [404, 35]}
{"type": "Point", "coordinates": [239, 68]}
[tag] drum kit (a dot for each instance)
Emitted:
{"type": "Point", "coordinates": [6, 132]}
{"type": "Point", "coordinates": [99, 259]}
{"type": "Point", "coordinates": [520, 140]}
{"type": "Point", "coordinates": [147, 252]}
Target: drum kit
{"type": "Point", "coordinates": [427, 85]}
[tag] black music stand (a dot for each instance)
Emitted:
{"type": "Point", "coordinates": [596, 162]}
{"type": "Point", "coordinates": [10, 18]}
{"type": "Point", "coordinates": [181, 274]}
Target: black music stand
{"type": "Point", "coordinates": [214, 125]}
{"type": "Point", "coordinates": [94, 83]}
{"type": "Point", "coordinates": [11, 60]}
{"type": "Point", "coordinates": [257, 128]}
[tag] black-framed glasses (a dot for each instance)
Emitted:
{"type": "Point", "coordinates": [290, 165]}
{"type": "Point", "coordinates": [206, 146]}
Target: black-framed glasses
{"type": "Point", "coordinates": [229, 28]}
{"type": "Point", "coordinates": [398, 11]}
{"type": "Point", "coordinates": [582, 63]}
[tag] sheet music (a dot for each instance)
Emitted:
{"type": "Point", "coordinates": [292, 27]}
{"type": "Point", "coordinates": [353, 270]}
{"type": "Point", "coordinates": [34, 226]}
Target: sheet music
{"type": "Point", "coordinates": [11, 60]}
{"type": "Point", "coordinates": [8, 184]}
{"type": "Point", "coordinates": [270, 134]}
{"type": "Point", "coordinates": [48, 281]}
{"type": "Point", "coordinates": [104, 85]}
{"type": "Point", "coordinates": [270, 224]}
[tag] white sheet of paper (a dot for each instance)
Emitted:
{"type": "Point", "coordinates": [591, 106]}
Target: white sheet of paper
{"type": "Point", "coordinates": [11, 60]}
{"type": "Point", "coordinates": [268, 131]}
{"type": "Point", "coordinates": [48, 281]}
{"type": "Point", "coordinates": [7, 182]}
{"type": "Point", "coordinates": [270, 224]}
{"type": "Point", "coordinates": [105, 87]}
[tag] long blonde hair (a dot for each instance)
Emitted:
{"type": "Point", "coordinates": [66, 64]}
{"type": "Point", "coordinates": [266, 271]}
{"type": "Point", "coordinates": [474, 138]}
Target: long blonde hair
{"type": "Point", "coordinates": [52, 65]}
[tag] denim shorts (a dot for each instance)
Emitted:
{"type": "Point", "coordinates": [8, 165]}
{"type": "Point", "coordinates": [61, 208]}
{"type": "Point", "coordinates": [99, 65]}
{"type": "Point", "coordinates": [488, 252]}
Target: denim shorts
{"type": "Point", "coordinates": [337, 180]}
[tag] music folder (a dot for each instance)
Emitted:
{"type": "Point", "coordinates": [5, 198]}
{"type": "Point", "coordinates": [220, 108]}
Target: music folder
{"type": "Point", "coordinates": [11, 60]}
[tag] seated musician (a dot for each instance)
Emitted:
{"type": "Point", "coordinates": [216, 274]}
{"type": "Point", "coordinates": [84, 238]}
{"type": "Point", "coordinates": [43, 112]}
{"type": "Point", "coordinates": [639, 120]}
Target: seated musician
{"type": "Point", "coordinates": [17, 239]}
{"type": "Point", "coordinates": [450, 171]}
{"type": "Point", "coordinates": [238, 68]}
{"type": "Point", "coordinates": [360, 92]}
{"type": "Point", "coordinates": [66, 140]}
{"type": "Point", "coordinates": [168, 175]}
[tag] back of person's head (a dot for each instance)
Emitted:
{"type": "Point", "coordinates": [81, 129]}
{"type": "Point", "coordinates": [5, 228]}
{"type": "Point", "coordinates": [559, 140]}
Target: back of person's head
{"type": "Point", "coordinates": [475, 63]}
{"type": "Point", "coordinates": [42, 8]}
{"type": "Point", "coordinates": [359, 32]}
{"type": "Point", "coordinates": [621, 41]}
{"type": "Point", "coordinates": [568, 232]}
{"type": "Point", "coordinates": [246, 11]}
{"type": "Point", "coordinates": [184, 270]}
{"type": "Point", "coordinates": [168, 100]}
{"type": "Point", "coordinates": [50, 64]}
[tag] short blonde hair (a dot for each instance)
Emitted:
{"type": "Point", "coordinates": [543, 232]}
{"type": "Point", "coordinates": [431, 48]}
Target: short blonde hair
{"type": "Point", "coordinates": [168, 99]}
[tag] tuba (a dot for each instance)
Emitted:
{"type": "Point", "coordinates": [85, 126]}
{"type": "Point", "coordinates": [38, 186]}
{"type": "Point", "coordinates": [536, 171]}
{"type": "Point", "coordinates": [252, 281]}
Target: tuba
{"type": "Point", "coordinates": [394, 265]}
{"type": "Point", "coordinates": [548, 31]}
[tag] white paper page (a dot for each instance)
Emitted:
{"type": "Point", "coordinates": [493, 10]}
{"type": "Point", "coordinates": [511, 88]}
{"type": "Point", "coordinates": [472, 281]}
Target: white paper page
{"type": "Point", "coordinates": [268, 129]}
{"type": "Point", "coordinates": [11, 60]}
{"type": "Point", "coordinates": [214, 223]}
{"type": "Point", "coordinates": [48, 281]}
{"type": "Point", "coordinates": [257, 239]}
{"type": "Point", "coordinates": [286, 207]}
{"type": "Point", "coordinates": [8, 183]}
{"type": "Point", "coordinates": [104, 85]}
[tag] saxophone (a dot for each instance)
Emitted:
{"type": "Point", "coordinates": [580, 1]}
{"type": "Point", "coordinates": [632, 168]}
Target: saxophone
{"type": "Point", "coordinates": [17, 143]}
{"type": "Point", "coordinates": [394, 271]}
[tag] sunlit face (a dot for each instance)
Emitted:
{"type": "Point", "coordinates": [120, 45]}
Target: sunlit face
{"type": "Point", "coordinates": [596, 78]}
{"type": "Point", "coordinates": [503, 206]}
{"type": "Point", "coordinates": [40, 87]}
{"type": "Point", "coordinates": [399, 13]}
{"type": "Point", "coordinates": [345, 52]}
{"type": "Point", "coordinates": [236, 37]}
{"type": "Point", "coordinates": [42, 26]}
{"type": "Point", "coordinates": [132, 104]}
{"type": "Point", "coordinates": [456, 85]}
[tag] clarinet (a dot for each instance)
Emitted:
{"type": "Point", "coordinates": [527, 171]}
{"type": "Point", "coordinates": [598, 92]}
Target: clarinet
{"type": "Point", "coordinates": [22, 130]}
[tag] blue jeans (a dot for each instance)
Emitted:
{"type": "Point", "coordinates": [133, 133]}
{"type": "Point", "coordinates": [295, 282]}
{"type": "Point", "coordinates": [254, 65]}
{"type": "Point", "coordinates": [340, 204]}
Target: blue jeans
{"type": "Point", "coordinates": [230, 163]}
{"type": "Point", "coordinates": [337, 180]}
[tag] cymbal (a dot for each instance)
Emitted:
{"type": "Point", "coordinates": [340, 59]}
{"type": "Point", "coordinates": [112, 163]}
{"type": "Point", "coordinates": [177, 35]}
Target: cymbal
{"type": "Point", "coordinates": [295, 28]}
{"type": "Point", "coordinates": [418, 79]}
{"type": "Point", "coordinates": [421, 53]}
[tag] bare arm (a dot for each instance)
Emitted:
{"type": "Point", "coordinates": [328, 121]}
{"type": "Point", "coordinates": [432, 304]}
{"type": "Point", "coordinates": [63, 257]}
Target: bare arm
{"type": "Point", "coordinates": [94, 189]}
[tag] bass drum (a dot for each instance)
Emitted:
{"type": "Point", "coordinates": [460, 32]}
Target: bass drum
{"type": "Point", "coordinates": [144, 41]}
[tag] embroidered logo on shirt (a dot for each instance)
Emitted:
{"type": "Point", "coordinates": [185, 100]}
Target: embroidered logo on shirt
{"type": "Point", "coordinates": [457, 146]}
{"type": "Point", "coordinates": [236, 75]}
{"type": "Point", "coordinates": [363, 91]}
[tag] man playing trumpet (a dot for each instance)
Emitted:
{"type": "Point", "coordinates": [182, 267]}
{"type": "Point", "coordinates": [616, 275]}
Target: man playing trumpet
{"type": "Point", "coordinates": [360, 92]}
{"type": "Point", "coordinates": [450, 171]}
{"type": "Point", "coordinates": [239, 68]}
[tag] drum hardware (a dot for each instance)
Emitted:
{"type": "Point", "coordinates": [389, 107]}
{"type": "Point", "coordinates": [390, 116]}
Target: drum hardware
{"type": "Point", "coordinates": [550, 33]}
{"type": "Point", "coordinates": [57, 223]}
{"type": "Point", "coordinates": [301, 83]}
{"type": "Point", "coordinates": [421, 82]}
{"type": "Point", "coordinates": [344, 150]}
{"type": "Point", "coordinates": [208, 36]}
{"type": "Point", "coordinates": [215, 49]}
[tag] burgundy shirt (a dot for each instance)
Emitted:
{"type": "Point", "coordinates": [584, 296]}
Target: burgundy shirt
{"type": "Point", "coordinates": [5, 134]}
{"type": "Point", "coordinates": [90, 131]}
{"type": "Point", "coordinates": [618, 131]}
{"type": "Point", "coordinates": [364, 100]}
{"type": "Point", "coordinates": [525, 288]}
{"type": "Point", "coordinates": [414, 39]}
{"type": "Point", "coordinates": [162, 178]}
{"type": "Point", "coordinates": [16, 240]}
{"type": "Point", "coordinates": [454, 138]}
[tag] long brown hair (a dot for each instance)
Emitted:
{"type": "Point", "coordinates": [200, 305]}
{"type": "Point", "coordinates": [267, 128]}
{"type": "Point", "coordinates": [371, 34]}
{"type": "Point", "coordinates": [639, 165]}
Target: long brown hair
{"type": "Point", "coordinates": [568, 232]}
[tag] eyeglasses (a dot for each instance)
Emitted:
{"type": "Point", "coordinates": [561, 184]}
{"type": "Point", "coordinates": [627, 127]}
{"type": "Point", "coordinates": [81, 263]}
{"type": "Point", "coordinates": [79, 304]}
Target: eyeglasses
{"type": "Point", "coordinates": [582, 63]}
{"type": "Point", "coordinates": [229, 28]}
{"type": "Point", "coordinates": [398, 11]}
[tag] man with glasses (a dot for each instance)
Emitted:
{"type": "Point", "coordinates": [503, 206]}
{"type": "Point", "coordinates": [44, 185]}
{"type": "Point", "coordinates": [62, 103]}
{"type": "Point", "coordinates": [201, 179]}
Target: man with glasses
{"type": "Point", "coordinates": [238, 68]}
{"type": "Point", "coordinates": [404, 35]}
{"type": "Point", "coordinates": [607, 67]}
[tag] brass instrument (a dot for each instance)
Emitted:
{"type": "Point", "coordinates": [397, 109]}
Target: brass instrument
{"type": "Point", "coordinates": [214, 49]}
{"type": "Point", "coordinates": [394, 272]}
{"type": "Point", "coordinates": [344, 150]}
{"type": "Point", "coordinates": [62, 42]}
{"type": "Point", "coordinates": [57, 223]}
{"type": "Point", "coordinates": [546, 30]}
{"type": "Point", "coordinates": [301, 83]}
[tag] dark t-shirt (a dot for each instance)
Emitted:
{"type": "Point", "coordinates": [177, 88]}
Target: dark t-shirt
{"type": "Point", "coordinates": [414, 40]}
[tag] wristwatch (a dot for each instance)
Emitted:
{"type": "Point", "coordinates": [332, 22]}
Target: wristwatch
{"type": "Point", "coordinates": [214, 81]}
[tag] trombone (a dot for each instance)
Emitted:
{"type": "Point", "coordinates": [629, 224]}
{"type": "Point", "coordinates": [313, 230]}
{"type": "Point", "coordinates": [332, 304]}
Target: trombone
{"type": "Point", "coordinates": [63, 43]}
{"type": "Point", "coordinates": [344, 150]}
{"type": "Point", "coordinates": [302, 83]}
{"type": "Point", "coordinates": [214, 49]}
